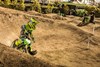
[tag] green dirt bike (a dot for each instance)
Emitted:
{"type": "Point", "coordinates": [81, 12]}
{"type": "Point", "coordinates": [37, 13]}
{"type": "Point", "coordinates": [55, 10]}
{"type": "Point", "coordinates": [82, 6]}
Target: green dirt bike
{"type": "Point", "coordinates": [84, 22]}
{"type": "Point", "coordinates": [23, 45]}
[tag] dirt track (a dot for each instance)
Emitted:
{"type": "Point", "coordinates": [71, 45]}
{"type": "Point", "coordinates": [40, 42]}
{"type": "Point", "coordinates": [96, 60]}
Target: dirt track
{"type": "Point", "coordinates": [59, 42]}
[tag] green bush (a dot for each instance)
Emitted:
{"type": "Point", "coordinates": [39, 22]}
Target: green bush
{"type": "Point", "coordinates": [14, 4]}
{"type": "Point", "coordinates": [91, 8]}
{"type": "Point", "coordinates": [1, 3]}
{"type": "Point", "coordinates": [21, 5]}
{"type": "Point", "coordinates": [80, 12]}
{"type": "Point", "coordinates": [97, 13]}
{"type": "Point", "coordinates": [49, 8]}
{"type": "Point", "coordinates": [36, 6]}
{"type": "Point", "coordinates": [64, 10]}
{"type": "Point", "coordinates": [7, 3]}
{"type": "Point", "coordinates": [56, 3]}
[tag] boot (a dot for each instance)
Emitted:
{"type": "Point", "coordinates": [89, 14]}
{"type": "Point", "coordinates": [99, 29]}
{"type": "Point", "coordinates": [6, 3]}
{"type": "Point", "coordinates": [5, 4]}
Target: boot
{"type": "Point", "coordinates": [31, 52]}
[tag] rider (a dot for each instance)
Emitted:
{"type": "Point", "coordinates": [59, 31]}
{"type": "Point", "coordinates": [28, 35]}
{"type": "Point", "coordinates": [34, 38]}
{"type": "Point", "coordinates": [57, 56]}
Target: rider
{"type": "Point", "coordinates": [85, 20]}
{"type": "Point", "coordinates": [26, 30]}
{"type": "Point", "coordinates": [26, 33]}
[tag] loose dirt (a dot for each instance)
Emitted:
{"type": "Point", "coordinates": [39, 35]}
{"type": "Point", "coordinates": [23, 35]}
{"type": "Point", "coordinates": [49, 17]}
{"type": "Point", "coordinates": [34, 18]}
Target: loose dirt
{"type": "Point", "coordinates": [58, 40]}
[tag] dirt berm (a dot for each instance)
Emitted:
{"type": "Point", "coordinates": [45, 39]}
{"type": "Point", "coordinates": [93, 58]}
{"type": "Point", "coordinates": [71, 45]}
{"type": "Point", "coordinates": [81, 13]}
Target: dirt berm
{"type": "Point", "coordinates": [59, 42]}
{"type": "Point", "coordinates": [13, 58]}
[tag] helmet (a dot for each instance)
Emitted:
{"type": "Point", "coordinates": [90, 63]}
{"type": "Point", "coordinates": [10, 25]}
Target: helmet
{"type": "Point", "coordinates": [33, 21]}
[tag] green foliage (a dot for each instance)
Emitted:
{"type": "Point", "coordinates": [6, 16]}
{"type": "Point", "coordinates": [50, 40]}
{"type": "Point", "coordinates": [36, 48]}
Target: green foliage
{"type": "Point", "coordinates": [14, 2]}
{"type": "Point", "coordinates": [7, 3]}
{"type": "Point", "coordinates": [49, 8]}
{"type": "Point", "coordinates": [64, 10]}
{"type": "Point", "coordinates": [21, 1]}
{"type": "Point", "coordinates": [97, 12]}
{"type": "Point", "coordinates": [80, 12]}
{"type": "Point", "coordinates": [56, 3]}
{"type": "Point", "coordinates": [36, 6]}
{"type": "Point", "coordinates": [22, 5]}
{"type": "Point", "coordinates": [0, 2]}
{"type": "Point", "coordinates": [91, 8]}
